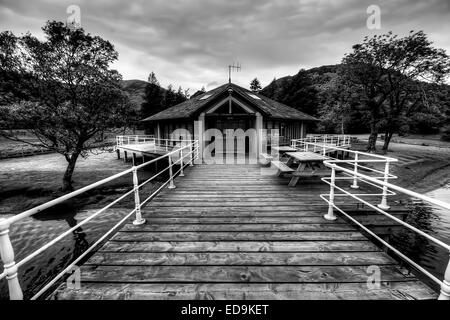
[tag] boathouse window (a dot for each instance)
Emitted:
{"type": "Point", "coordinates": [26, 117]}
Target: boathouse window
{"type": "Point", "coordinates": [254, 96]}
{"type": "Point", "coordinates": [206, 97]}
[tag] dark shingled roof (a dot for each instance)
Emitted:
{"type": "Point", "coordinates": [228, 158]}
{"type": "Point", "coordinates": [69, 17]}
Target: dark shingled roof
{"type": "Point", "coordinates": [194, 106]}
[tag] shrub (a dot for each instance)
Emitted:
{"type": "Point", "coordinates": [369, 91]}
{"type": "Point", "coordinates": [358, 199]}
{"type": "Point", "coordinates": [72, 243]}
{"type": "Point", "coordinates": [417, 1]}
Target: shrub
{"type": "Point", "coordinates": [446, 134]}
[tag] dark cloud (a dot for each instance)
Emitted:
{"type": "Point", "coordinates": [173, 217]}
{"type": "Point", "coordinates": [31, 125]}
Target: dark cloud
{"type": "Point", "coordinates": [190, 43]}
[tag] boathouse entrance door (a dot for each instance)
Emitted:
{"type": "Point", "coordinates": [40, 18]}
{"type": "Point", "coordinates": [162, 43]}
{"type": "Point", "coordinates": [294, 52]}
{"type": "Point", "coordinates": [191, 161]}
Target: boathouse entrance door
{"type": "Point", "coordinates": [227, 123]}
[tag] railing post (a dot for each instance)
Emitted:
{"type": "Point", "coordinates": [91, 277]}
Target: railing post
{"type": "Point", "coordinates": [167, 147]}
{"type": "Point", "coordinates": [137, 202]}
{"type": "Point", "coordinates": [7, 255]}
{"type": "Point", "coordinates": [355, 170]}
{"type": "Point", "coordinates": [445, 286]}
{"type": "Point", "coordinates": [323, 150]}
{"type": "Point", "coordinates": [315, 141]}
{"type": "Point", "coordinates": [171, 185]}
{"type": "Point", "coordinates": [197, 153]}
{"type": "Point", "coordinates": [181, 163]}
{"type": "Point", "coordinates": [330, 215]}
{"type": "Point", "coordinates": [192, 148]}
{"type": "Point", "coordinates": [383, 205]}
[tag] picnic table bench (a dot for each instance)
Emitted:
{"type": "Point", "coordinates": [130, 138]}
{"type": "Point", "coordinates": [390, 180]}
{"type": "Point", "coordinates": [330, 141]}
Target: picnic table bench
{"type": "Point", "coordinates": [310, 164]}
{"type": "Point", "coordinates": [282, 167]}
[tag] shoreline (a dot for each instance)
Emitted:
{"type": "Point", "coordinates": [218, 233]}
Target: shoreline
{"type": "Point", "coordinates": [419, 168]}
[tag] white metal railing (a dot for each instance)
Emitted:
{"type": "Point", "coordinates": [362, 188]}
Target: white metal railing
{"type": "Point", "coordinates": [185, 154]}
{"type": "Point", "coordinates": [156, 145]}
{"type": "Point", "coordinates": [327, 145]}
{"type": "Point", "coordinates": [336, 165]}
{"type": "Point", "coordinates": [330, 140]}
{"type": "Point", "coordinates": [134, 139]}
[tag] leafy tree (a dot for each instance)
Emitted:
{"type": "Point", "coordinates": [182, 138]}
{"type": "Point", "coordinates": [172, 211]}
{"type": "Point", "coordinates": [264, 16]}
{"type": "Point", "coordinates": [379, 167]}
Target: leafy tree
{"type": "Point", "coordinates": [298, 92]}
{"type": "Point", "coordinates": [271, 89]}
{"type": "Point", "coordinates": [381, 69]}
{"type": "Point", "coordinates": [152, 79]}
{"type": "Point", "coordinates": [199, 92]}
{"type": "Point", "coordinates": [11, 86]}
{"type": "Point", "coordinates": [170, 98]}
{"type": "Point", "coordinates": [75, 95]}
{"type": "Point", "coordinates": [335, 109]}
{"type": "Point", "coordinates": [255, 85]}
{"type": "Point", "coordinates": [154, 100]}
{"type": "Point", "coordinates": [180, 96]}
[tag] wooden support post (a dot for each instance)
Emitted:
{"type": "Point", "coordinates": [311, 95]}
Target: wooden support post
{"type": "Point", "coordinates": [134, 159]}
{"type": "Point", "coordinates": [125, 156]}
{"type": "Point", "coordinates": [143, 158]}
{"type": "Point", "coordinates": [118, 153]}
{"type": "Point", "coordinates": [330, 215]}
{"type": "Point", "coordinates": [7, 255]}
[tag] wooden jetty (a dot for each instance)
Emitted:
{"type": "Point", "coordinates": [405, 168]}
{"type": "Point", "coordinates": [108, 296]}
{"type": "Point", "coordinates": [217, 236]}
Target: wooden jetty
{"type": "Point", "coordinates": [149, 150]}
{"type": "Point", "coordinates": [228, 232]}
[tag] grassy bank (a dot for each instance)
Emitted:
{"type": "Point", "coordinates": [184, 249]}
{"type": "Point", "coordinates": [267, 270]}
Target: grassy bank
{"type": "Point", "coordinates": [421, 168]}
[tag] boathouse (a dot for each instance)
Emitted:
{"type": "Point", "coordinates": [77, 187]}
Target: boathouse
{"type": "Point", "coordinates": [231, 107]}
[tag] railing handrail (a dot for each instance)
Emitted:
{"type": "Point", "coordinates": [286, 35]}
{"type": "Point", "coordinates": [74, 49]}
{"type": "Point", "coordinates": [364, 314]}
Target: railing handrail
{"type": "Point", "coordinates": [347, 150]}
{"type": "Point", "coordinates": [6, 249]}
{"type": "Point", "coordinates": [334, 165]}
{"type": "Point", "coordinates": [445, 205]}
{"type": "Point", "coordinates": [51, 203]}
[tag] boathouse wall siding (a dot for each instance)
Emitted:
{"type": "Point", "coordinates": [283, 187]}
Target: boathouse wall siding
{"type": "Point", "coordinates": [287, 129]}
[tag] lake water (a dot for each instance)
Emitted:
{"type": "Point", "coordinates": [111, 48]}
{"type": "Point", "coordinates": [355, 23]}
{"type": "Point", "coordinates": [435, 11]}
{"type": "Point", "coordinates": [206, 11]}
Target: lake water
{"type": "Point", "coordinates": [436, 222]}
{"type": "Point", "coordinates": [32, 233]}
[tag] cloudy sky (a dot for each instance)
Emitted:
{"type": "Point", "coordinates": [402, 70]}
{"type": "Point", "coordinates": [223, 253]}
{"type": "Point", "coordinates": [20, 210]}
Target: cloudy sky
{"type": "Point", "coordinates": [191, 42]}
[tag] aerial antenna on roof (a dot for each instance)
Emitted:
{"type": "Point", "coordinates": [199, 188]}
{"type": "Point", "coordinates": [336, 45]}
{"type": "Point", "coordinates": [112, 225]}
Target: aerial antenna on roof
{"type": "Point", "coordinates": [234, 67]}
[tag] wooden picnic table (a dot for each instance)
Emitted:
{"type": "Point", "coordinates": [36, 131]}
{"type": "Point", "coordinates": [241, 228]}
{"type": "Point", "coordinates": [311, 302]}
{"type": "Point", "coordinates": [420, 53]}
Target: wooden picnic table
{"type": "Point", "coordinates": [283, 149]}
{"type": "Point", "coordinates": [310, 164]}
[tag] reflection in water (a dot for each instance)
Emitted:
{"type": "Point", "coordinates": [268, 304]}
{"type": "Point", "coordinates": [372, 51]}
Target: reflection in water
{"type": "Point", "coordinates": [32, 233]}
{"type": "Point", "coordinates": [81, 244]}
{"type": "Point", "coordinates": [435, 221]}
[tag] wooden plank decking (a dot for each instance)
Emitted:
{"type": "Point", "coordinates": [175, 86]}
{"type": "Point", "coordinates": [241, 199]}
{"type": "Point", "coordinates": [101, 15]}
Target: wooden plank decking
{"type": "Point", "coordinates": [228, 232]}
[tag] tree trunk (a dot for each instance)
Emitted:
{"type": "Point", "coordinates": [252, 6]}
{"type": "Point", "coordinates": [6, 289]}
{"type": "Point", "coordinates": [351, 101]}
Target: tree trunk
{"type": "Point", "coordinates": [387, 140]}
{"type": "Point", "coordinates": [67, 179]}
{"type": "Point", "coordinates": [372, 145]}
{"type": "Point", "coordinates": [342, 127]}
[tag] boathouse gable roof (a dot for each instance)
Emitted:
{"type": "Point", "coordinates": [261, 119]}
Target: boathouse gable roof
{"type": "Point", "coordinates": [193, 107]}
